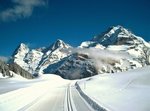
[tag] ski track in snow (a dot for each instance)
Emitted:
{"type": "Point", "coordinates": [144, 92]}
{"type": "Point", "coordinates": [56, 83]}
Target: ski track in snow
{"type": "Point", "coordinates": [126, 91]}
{"type": "Point", "coordinates": [48, 95]}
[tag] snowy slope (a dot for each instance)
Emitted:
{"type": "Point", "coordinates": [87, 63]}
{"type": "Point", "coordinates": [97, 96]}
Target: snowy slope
{"type": "Point", "coordinates": [25, 94]}
{"type": "Point", "coordinates": [1, 76]}
{"type": "Point", "coordinates": [126, 91]}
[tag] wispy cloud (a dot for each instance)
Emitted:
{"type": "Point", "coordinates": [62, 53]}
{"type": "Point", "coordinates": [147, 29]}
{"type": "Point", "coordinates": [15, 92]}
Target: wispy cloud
{"type": "Point", "coordinates": [4, 59]}
{"type": "Point", "coordinates": [22, 9]}
{"type": "Point", "coordinates": [100, 57]}
{"type": "Point", "coordinates": [31, 45]}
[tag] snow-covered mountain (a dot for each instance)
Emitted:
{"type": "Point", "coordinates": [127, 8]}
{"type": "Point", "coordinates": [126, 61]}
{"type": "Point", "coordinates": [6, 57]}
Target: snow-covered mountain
{"type": "Point", "coordinates": [120, 39]}
{"type": "Point", "coordinates": [115, 36]}
{"type": "Point", "coordinates": [53, 54]}
{"type": "Point", "coordinates": [115, 50]}
{"type": "Point", "coordinates": [34, 60]}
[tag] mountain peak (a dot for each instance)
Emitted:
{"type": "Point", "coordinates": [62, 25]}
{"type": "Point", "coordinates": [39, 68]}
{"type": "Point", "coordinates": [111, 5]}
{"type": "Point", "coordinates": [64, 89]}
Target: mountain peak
{"type": "Point", "coordinates": [118, 26]}
{"type": "Point", "coordinates": [59, 40]}
{"type": "Point", "coordinates": [21, 48]}
{"type": "Point", "coordinates": [120, 29]}
{"type": "Point", "coordinates": [22, 45]}
{"type": "Point", "coordinates": [115, 35]}
{"type": "Point", "coordinates": [59, 44]}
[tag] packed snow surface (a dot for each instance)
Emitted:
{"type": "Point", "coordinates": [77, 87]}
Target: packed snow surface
{"type": "Point", "coordinates": [20, 94]}
{"type": "Point", "coordinates": [126, 91]}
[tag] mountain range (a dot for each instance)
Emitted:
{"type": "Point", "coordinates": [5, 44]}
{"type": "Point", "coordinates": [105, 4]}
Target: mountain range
{"type": "Point", "coordinates": [115, 50]}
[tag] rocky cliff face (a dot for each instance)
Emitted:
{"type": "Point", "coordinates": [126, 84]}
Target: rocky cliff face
{"type": "Point", "coordinates": [77, 66]}
{"type": "Point", "coordinates": [4, 69]}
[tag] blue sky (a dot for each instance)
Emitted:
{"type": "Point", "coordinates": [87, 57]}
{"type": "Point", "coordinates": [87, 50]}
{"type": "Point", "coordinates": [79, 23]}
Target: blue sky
{"type": "Point", "coordinates": [40, 22]}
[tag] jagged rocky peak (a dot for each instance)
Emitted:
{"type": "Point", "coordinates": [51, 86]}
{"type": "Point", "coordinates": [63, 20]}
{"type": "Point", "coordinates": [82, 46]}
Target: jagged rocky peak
{"type": "Point", "coordinates": [53, 54]}
{"type": "Point", "coordinates": [21, 50]}
{"type": "Point", "coordinates": [59, 44]}
{"type": "Point", "coordinates": [116, 35]}
{"type": "Point", "coordinates": [23, 47]}
{"type": "Point", "coordinates": [111, 31]}
{"type": "Point", "coordinates": [33, 60]}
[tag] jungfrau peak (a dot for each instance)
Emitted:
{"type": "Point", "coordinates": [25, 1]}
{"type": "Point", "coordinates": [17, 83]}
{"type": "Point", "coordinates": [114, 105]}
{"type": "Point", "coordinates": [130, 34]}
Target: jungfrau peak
{"type": "Point", "coordinates": [114, 35]}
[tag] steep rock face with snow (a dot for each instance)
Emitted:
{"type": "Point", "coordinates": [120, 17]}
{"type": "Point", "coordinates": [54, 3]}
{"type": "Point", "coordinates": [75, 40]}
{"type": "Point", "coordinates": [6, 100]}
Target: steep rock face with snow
{"type": "Point", "coordinates": [53, 54]}
{"type": "Point", "coordinates": [4, 69]}
{"type": "Point", "coordinates": [115, 36]}
{"type": "Point", "coordinates": [89, 62]}
{"type": "Point", "coordinates": [130, 52]}
{"type": "Point", "coordinates": [36, 60]}
{"type": "Point", "coordinates": [77, 66]}
{"type": "Point", "coordinates": [120, 39]}
{"type": "Point", "coordinates": [26, 58]}
{"type": "Point", "coordinates": [19, 55]}
{"type": "Point", "coordinates": [15, 68]}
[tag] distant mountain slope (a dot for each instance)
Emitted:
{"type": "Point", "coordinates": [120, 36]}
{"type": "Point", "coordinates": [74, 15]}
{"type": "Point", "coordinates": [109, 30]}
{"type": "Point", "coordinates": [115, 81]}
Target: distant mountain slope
{"type": "Point", "coordinates": [20, 71]}
{"type": "Point", "coordinates": [5, 70]}
{"type": "Point", "coordinates": [77, 66]}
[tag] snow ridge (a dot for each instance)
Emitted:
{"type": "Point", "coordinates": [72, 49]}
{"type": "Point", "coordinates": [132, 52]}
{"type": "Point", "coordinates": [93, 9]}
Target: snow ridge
{"type": "Point", "coordinates": [90, 101]}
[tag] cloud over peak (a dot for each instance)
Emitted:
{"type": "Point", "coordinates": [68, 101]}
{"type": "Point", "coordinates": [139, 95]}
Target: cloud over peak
{"type": "Point", "coordinates": [22, 9]}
